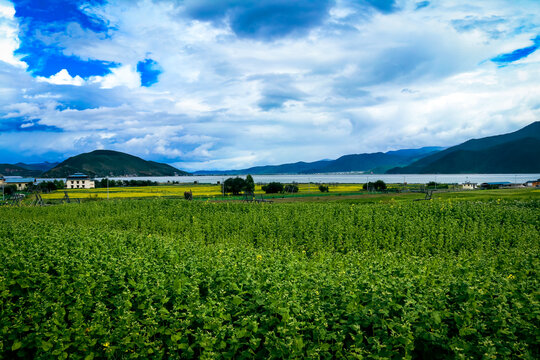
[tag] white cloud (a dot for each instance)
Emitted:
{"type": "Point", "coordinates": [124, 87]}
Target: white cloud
{"type": "Point", "coordinates": [62, 78]}
{"type": "Point", "coordinates": [125, 75]}
{"type": "Point", "coordinates": [228, 102]}
{"type": "Point", "coordinates": [9, 41]}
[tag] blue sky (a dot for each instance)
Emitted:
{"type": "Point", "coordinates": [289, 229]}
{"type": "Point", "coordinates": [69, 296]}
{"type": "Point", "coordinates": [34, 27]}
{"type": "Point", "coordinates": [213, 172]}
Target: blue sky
{"type": "Point", "coordinates": [209, 84]}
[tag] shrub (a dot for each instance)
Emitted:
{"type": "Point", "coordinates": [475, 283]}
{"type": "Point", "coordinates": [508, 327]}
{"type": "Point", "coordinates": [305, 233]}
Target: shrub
{"type": "Point", "coordinates": [273, 188]}
{"type": "Point", "coordinates": [324, 188]}
{"type": "Point", "coordinates": [290, 188]}
{"type": "Point", "coordinates": [378, 185]}
{"type": "Point", "coordinates": [234, 185]}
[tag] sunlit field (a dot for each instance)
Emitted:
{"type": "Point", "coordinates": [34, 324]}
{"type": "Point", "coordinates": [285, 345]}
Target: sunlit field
{"type": "Point", "coordinates": [199, 190]}
{"type": "Point", "coordinates": [176, 279]}
{"type": "Point", "coordinates": [306, 192]}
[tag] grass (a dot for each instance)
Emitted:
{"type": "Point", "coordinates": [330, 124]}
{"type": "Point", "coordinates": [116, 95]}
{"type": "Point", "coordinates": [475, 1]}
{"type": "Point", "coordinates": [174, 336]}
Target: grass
{"type": "Point", "coordinates": [165, 278]}
{"type": "Point", "coordinates": [307, 192]}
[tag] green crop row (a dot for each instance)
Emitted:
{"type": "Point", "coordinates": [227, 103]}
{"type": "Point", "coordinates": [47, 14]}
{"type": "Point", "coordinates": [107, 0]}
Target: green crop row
{"type": "Point", "coordinates": [178, 279]}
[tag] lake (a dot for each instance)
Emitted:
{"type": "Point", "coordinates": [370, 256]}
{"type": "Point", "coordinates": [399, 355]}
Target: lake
{"type": "Point", "coordinates": [351, 178]}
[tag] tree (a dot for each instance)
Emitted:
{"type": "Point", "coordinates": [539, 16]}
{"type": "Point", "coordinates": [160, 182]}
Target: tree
{"type": "Point", "coordinates": [10, 189]}
{"type": "Point", "coordinates": [234, 185]}
{"type": "Point", "coordinates": [324, 188]}
{"type": "Point", "coordinates": [290, 188]}
{"type": "Point", "coordinates": [273, 188]}
{"type": "Point", "coordinates": [249, 184]}
{"type": "Point", "coordinates": [378, 185]}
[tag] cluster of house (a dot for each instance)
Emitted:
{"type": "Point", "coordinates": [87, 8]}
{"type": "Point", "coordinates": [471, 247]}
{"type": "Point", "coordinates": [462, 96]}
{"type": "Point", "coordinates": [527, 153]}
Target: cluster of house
{"type": "Point", "coordinates": [75, 181]}
{"type": "Point", "coordinates": [500, 184]}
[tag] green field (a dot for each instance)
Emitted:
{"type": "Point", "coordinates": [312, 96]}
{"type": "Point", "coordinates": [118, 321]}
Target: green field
{"type": "Point", "coordinates": [165, 278]}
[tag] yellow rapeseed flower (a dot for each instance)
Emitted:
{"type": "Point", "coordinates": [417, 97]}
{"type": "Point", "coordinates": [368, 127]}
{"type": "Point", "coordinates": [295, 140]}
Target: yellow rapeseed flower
{"type": "Point", "coordinates": [259, 257]}
{"type": "Point", "coordinates": [106, 344]}
{"type": "Point", "coordinates": [511, 277]}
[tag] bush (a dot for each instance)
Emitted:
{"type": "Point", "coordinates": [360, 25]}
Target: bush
{"type": "Point", "coordinates": [434, 185]}
{"type": "Point", "coordinates": [249, 184]}
{"type": "Point", "coordinates": [234, 185]}
{"type": "Point", "coordinates": [378, 185]}
{"type": "Point", "coordinates": [188, 195]}
{"type": "Point", "coordinates": [290, 188]}
{"type": "Point", "coordinates": [273, 188]}
{"type": "Point", "coordinates": [10, 189]}
{"type": "Point", "coordinates": [324, 188]}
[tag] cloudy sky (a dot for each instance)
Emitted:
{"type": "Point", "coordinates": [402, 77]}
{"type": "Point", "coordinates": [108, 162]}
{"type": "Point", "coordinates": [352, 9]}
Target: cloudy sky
{"type": "Point", "coordinates": [210, 84]}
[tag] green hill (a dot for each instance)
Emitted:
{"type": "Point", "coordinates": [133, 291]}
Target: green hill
{"type": "Point", "coordinates": [517, 152]}
{"type": "Point", "coordinates": [14, 170]}
{"type": "Point", "coordinates": [101, 163]}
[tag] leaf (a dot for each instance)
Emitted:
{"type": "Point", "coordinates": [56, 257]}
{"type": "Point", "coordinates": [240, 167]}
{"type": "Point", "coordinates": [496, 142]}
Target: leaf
{"type": "Point", "coordinates": [46, 346]}
{"type": "Point", "coordinates": [89, 356]}
{"type": "Point", "coordinates": [16, 345]}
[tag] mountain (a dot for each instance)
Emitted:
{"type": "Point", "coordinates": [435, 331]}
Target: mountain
{"type": "Point", "coordinates": [14, 170]}
{"type": "Point", "coordinates": [516, 152]}
{"type": "Point", "coordinates": [41, 167]}
{"type": "Point", "coordinates": [376, 162]}
{"type": "Point", "coordinates": [101, 163]}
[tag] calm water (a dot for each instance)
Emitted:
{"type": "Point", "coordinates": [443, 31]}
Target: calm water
{"type": "Point", "coordinates": [352, 178]}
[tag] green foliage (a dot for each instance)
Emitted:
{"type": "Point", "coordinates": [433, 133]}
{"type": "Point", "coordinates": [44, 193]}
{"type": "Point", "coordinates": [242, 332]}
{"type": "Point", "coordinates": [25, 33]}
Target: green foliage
{"type": "Point", "coordinates": [126, 183]}
{"type": "Point", "coordinates": [273, 188]}
{"type": "Point", "coordinates": [10, 189]}
{"type": "Point", "coordinates": [323, 188]}
{"type": "Point", "coordinates": [178, 279]}
{"type": "Point", "coordinates": [378, 185]}
{"type": "Point", "coordinates": [234, 185]}
{"type": "Point", "coordinates": [249, 184]}
{"type": "Point", "coordinates": [291, 188]}
{"type": "Point", "coordinates": [435, 185]}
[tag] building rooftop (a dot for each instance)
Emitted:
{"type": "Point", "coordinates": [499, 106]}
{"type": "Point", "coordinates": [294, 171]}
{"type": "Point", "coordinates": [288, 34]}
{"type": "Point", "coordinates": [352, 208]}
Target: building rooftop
{"type": "Point", "coordinates": [19, 180]}
{"type": "Point", "coordinates": [78, 176]}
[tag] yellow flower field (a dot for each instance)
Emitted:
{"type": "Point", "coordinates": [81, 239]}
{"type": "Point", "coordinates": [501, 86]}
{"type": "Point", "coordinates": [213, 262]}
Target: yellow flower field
{"type": "Point", "coordinates": [201, 190]}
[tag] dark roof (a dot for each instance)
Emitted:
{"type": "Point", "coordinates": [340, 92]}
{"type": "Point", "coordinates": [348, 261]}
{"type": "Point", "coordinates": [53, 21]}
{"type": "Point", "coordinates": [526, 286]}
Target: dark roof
{"type": "Point", "coordinates": [78, 176]}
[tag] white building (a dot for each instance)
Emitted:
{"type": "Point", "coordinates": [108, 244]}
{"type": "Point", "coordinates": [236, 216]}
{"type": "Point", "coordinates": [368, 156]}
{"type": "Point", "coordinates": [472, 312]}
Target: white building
{"type": "Point", "coordinates": [469, 186]}
{"type": "Point", "coordinates": [79, 181]}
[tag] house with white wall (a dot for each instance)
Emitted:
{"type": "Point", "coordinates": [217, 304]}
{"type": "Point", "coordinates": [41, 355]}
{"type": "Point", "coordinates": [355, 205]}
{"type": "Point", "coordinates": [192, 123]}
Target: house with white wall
{"type": "Point", "coordinates": [79, 181]}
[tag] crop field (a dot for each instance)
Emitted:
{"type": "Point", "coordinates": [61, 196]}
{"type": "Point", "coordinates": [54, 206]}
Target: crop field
{"type": "Point", "coordinates": [168, 278]}
{"type": "Point", "coordinates": [199, 190]}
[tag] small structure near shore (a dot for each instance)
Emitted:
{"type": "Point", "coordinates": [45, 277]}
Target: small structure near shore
{"type": "Point", "coordinates": [469, 186]}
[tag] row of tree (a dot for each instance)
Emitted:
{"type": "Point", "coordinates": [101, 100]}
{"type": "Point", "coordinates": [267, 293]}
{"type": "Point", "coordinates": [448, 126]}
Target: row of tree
{"type": "Point", "coordinates": [118, 183]}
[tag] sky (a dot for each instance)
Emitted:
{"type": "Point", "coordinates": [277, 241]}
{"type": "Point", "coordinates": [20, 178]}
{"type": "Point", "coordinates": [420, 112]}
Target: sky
{"type": "Point", "coordinates": [210, 84]}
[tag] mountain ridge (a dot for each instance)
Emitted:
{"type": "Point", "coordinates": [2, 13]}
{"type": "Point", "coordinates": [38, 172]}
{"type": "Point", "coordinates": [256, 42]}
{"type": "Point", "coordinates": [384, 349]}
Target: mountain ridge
{"type": "Point", "coordinates": [101, 163]}
{"type": "Point", "coordinates": [513, 152]}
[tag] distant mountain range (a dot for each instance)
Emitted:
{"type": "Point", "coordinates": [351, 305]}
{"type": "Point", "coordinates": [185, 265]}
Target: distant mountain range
{"type": "Point", "coordinates": [41, 167]}
{"type": "Point", "coordinates": [101, 163]}
{"type": "Point", "coordinates": [25, 170]}
{"type": "Point", "coordinates": [374, 162]}
{"type": "Point", "coordinates": [516, 152]}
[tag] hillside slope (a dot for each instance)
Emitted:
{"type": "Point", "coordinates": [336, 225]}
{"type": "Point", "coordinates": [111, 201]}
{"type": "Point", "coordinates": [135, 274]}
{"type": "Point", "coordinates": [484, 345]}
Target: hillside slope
{"type": "Point", "coordinates": [101, 163]}
{"type": "Point", "coordinates": [516, 152]}
{"type": "Point", "coordinates": [14, 170]}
